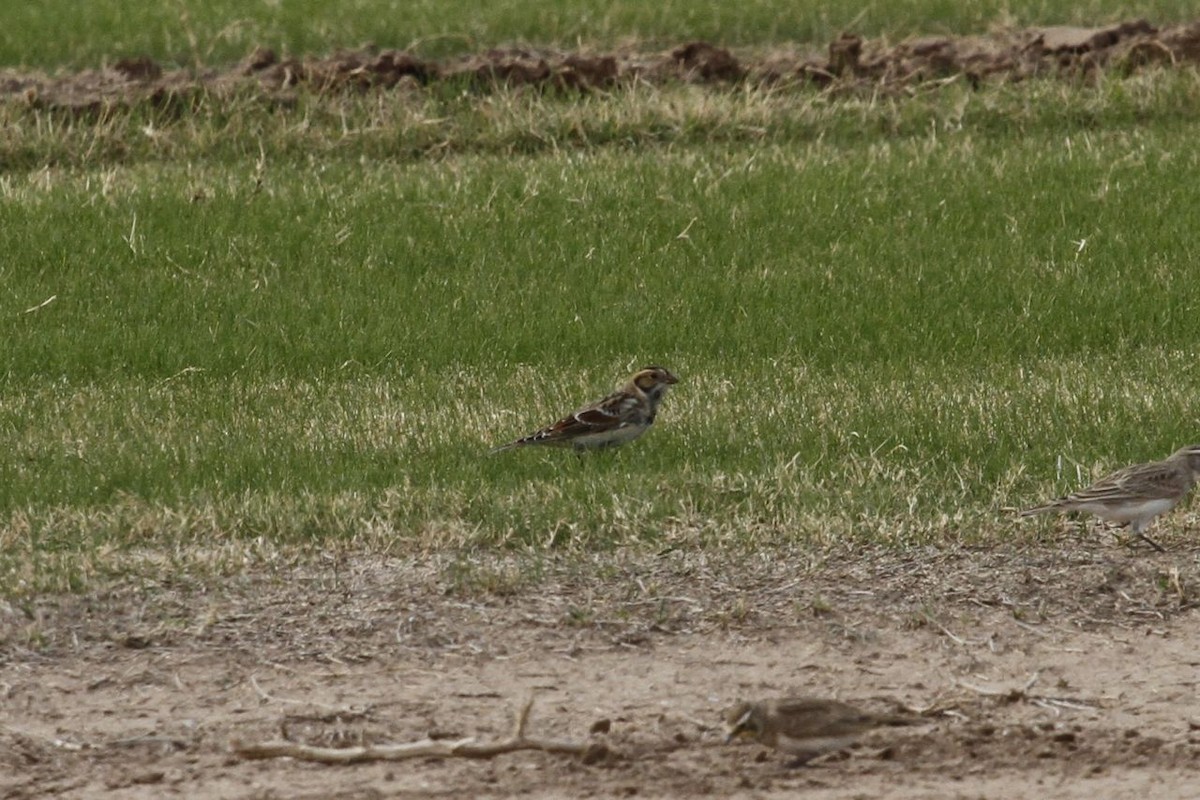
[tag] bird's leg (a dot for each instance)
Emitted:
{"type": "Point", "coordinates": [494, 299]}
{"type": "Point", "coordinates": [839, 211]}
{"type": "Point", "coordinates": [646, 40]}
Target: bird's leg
{"type": "Point", "coordinates": [1150, 542]}
{"type": "Point", "coordinates": [1136, 529]}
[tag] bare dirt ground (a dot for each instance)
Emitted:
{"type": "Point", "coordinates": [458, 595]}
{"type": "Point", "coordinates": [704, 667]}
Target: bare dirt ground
{"type": "Point", "coordinates": [849, 62]}
{"type": "Point", "coordinates": [1044, 671]}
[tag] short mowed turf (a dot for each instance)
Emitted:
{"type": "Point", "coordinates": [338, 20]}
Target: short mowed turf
{"type": "Point", "coordinates": [255, 330]}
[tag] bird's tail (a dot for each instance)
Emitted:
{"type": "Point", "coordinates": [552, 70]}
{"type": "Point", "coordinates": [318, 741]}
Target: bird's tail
{"type": "Point", "coordinates": [1053, 505]}
{"type": "Point", "coordinates": [900, 719]}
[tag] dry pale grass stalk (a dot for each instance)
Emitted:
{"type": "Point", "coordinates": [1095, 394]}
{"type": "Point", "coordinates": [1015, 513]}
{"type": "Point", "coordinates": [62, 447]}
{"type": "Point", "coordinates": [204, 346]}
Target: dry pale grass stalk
{"type": "Point", "coordinates": [426, 748]}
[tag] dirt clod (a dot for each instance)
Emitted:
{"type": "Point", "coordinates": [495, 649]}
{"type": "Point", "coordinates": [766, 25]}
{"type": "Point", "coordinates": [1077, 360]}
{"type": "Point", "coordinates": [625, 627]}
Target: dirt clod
{"type": "Point", "coordinates": [707, 62]}
{"type": "Point", "coordinates": [259, 59]}
{"type": "Point", "coordinates": [844, 54]}
{"type": "Point", "coordinates": [1065, 39]}
{"type": "Point", "coordinates": [596, 753]}
{"type": "Point", "coordinates": [138, 69]}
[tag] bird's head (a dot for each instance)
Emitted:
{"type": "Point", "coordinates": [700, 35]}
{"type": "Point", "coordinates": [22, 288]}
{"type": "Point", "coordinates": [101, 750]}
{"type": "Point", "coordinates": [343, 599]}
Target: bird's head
{"type": "Point", "coordinates": [1191, 454]}
{"type": "Point", "coordinates": [653, 380]}
{"type": "Point", "coordinates": [743, 720]}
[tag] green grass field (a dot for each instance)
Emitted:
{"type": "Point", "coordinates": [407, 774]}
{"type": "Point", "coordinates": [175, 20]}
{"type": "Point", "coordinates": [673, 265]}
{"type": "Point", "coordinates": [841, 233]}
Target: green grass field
{"type": "Point", "coordinates": [248, 332]}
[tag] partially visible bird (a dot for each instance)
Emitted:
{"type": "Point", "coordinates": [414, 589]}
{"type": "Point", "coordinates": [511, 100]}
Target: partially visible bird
{"type": "Point", "coordinates": [805, 727]}
{"type": "Point", "coordinates": [1134, 495]}
{"type": "Point", "coordinates": [621, 417]}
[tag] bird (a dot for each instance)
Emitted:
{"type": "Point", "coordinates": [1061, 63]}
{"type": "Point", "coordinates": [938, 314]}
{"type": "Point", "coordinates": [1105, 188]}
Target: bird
{"type": "Point", "coordinates": [1134, 495]}
{"type": "Point", "coordinates": [620, 417]}
{"type": "Point", "coordinates": [805, 727]}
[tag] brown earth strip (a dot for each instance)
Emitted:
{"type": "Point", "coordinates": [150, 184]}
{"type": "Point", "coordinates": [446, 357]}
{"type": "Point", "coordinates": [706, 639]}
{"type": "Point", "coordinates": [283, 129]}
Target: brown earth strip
{"type": "Point", "coordinates": [850, 61]}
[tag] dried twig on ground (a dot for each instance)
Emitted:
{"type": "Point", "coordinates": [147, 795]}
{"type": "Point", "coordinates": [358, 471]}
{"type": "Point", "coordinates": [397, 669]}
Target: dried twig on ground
{"type": "Point", "coordinates": [427, 748]}
{"type": "Point", "coordinates": [1055, 704]}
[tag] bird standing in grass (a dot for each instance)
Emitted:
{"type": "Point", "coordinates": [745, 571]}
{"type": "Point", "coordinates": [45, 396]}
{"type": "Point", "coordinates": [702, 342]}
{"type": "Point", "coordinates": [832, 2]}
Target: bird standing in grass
{"type": "Point", "coordinates": [621, 417]}
{"type": "Point", "coordinates": [805, 727]}
{"type": "Point", "coordinates": [1134, 495]}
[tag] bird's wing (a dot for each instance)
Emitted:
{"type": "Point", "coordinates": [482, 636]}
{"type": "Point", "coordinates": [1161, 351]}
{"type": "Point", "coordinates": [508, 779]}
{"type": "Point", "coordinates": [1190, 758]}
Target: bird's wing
{"type": "Point", "coordinates": [1150, 481]}
{"type": "Point", "coordinates": [810, 705]}
{"type": "Point", "coordinates": [619, 408]}
{"type": "Point", "coordinates": [803, 717]}
{"type": "Point", "coordinates": [800, 717]}
{"type": "Point", "coordinates": [616, 410]}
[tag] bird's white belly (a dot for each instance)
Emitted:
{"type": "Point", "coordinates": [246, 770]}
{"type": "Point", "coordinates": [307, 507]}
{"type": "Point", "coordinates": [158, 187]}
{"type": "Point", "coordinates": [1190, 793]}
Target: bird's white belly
{"type": "Point", "coordinates": [625, 433]}
{"type": "Point", "coordinates": [1130, 512]}
{"type": "Point", "coordinates": [812, 745]}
